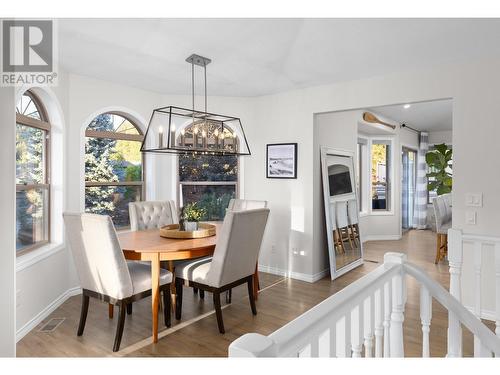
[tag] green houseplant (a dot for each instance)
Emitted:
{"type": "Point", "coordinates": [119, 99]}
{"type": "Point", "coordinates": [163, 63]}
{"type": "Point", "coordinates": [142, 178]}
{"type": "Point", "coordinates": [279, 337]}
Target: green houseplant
{"type": "Point", "coordinates": [440, 176]}
{"type": "Point", "coordinates": [190, 216]}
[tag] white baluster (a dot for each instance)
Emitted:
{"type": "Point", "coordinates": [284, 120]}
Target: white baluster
{"type": "Point", "coordinates": [314, 353]}
{"type": "Point", "coordinates": [369, 323]}
{"type": "Point", "coordinates": [455, 256]}
{"type": "Point", "coordinates": [379, 318]}
{"type": "Point", "coordinates": [477, 289]}
{"type": "Point", "coordinates": [480, 350]}
{"type": "Point", "coordinates": [497, 287]}
{"type": "Point", "coordinates": [425, 317]}
{"type": "Point", "coordinates": [387, 318]}
{"type": "Point", "coordinates": [333, 340]}
{"type": "Point", "coordinates": [358, 328]}
{"type": "Point", "coordinates": [398, 301]}
{"type": "Point", "coordinates": [347, 336]}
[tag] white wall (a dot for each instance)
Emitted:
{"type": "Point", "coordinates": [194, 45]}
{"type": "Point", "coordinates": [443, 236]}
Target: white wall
{"type": "Point", "coordinates": [292, 243]}
{"type": "Point", "coordinates": [441, 136]}
{"type": "Point", "coordinates": [289, 117]}
{"type": "Point", "coordinates": [7, 223]}
{"type": "Point", "coordinates": [47, 277]}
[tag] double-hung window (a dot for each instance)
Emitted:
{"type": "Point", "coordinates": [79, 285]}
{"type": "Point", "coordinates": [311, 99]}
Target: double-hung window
{"type": "Point", "coordinates": [114, 167]}
{"type": "Point", "coordinates": [32, 174]}
{"type": "Point", "coordinates": [380, 175]}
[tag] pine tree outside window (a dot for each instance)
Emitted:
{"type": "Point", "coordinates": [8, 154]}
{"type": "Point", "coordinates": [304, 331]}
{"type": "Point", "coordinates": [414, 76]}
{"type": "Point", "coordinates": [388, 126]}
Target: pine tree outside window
{"type": "Point", "coordinates": [113, 167]}
{"type": "Point", "coordinates": [32, 174]}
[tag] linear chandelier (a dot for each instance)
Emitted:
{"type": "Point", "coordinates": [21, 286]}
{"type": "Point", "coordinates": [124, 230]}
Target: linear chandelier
{"type": "Point", "coordinates": [178, 130]}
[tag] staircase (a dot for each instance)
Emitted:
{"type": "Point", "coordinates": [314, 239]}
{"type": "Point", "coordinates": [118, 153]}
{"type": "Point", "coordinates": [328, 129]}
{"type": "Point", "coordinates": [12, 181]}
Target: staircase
{"type": "Point", "coordinates": [365, 319]}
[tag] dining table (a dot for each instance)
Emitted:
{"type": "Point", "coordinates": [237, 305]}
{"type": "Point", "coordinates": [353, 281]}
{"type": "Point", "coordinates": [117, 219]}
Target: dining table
{"type": "Point", "coordinates": [148, 245]}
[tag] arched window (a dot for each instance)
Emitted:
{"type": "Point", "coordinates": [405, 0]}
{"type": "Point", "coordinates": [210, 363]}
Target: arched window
{"type": "Point", "coordinates": [209, 180]}
{"type": "Point", "coordinates": [32, 174]}
{"type": "Point", "coordinates": [114, 167]}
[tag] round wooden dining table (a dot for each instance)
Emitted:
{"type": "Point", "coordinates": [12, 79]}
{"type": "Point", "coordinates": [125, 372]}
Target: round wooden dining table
{"type": "Point", "coordinates": [148, 245]}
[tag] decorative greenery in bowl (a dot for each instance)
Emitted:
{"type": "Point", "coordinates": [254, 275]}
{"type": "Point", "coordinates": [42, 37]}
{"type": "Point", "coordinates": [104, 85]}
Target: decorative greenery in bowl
{"type": "Point", "coordinates": [190, 216]}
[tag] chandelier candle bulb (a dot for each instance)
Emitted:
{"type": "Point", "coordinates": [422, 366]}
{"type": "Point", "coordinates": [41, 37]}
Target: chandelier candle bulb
{"type": "Point", "coordinates": [216, 136]}
{"type": "Point", "coordinates": [204, 139]}
{"type": "Point", "coordinates": [160, 137]}
{"type": "Point", "coordinates": [195, 137]}
{"type": "Point", "coordinates": [172, 136]}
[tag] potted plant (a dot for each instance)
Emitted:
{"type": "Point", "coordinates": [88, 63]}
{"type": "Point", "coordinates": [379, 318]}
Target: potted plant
{"type": "Point", "coordinates": [439, 162]}
{"type": "Point", "coordinates": [190, 216]}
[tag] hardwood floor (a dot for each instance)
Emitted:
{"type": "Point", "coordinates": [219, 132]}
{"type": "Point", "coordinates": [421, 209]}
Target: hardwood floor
{"type": "Point", "coordinates": [280, 301]}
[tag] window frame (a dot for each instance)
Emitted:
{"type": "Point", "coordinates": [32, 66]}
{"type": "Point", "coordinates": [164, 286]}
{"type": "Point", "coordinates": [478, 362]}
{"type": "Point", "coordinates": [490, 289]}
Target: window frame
{"type": "Point", "coordinates": [180, 183]}
{"type": "Point", "coordinates": [42, 124]}
{"type": "Point", "coordinates": [89, 133]}
{"type": "Point", "coordinates": [389, 172]}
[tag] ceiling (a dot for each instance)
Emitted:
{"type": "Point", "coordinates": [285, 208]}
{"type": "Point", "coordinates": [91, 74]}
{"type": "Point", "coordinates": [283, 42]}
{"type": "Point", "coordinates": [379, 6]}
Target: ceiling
{"type": "Point", "coordinates": [427, 116]}
{"type": "Point", "coordinates": [253, 57]}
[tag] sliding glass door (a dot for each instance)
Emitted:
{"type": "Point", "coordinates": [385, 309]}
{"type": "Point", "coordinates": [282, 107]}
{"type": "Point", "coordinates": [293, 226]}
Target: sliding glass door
{"type": "Point", "coordinates": [409, 168]}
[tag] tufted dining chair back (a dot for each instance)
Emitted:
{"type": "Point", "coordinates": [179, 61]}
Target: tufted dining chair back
{"type": "Point", "coordinates": [152, 214]}
{"type": "Point", "coordinates": [341, 214]}
{"type": "Point", "coordinates": [99, 260]}
{"type": "Point", "coordinates": [245, 204]}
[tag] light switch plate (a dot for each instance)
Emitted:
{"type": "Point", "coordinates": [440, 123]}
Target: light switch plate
{"type": "Point", "coordinates": [474, 199]}
{"type": "Point", "coordinates": [470, 217]}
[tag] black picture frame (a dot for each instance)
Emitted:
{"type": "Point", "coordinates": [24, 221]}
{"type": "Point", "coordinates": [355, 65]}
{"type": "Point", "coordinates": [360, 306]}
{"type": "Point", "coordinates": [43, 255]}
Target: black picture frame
{"type": "Point", "coordinates": [275, 149]}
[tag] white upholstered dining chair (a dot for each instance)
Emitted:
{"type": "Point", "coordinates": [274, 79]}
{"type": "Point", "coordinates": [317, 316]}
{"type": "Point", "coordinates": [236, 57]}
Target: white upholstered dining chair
{"type": "Point", "coordinates": [442, 214]}
{"type": "Point", "coordinates": [152, 214]}
{"type": "Point", "coordinates": [103, 271]}
{"type": "Point", "coordinates": [245, 204]}
{"type": "Point", "coordinates": [233, 262]}
{"type": "Point", "coordinates": [242, 205]}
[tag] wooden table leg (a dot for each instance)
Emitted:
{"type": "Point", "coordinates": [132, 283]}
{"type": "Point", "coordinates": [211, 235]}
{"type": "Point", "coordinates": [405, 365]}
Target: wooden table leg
{"type": "Point", "coordinates": [155, 294]}
{"type": "Point", "coordinates": [172, 285]}
{"type": "Point", "coordinates": [256, 282]}
{"type": "Point", "coordinates": [111, 309]}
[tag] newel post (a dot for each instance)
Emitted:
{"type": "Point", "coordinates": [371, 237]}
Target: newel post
{"type": "Point", "coordinates": [398, 302]}
{"type": "Point", "coordinates": [253, 345]}
{"type": "Point", "coordinates": [455, 255]}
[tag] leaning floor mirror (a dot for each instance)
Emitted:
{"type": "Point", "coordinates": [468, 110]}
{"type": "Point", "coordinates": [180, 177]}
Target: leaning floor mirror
{"type": "Point", "coordinates": [345, 248]}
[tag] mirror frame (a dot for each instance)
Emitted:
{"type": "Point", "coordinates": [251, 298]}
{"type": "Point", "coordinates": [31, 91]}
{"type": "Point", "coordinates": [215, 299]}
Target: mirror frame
{"type": "Point", "coordinates": [326, 151]}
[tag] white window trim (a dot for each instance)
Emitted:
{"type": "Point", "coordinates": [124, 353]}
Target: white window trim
{"type": "Point", "coordinates": [365, 175]}
{"type": "Point", "coordinates": [391, 211]}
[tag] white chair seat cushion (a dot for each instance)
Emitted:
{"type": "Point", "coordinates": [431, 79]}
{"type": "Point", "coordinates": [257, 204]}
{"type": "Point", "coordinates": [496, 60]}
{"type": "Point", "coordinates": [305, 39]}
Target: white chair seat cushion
{"type": "Point", "coordinates": [140, 274]}
{"type": "Point", "coordinates": [194, 270]}
{"type": "Point", "coordinates": [444, 228]}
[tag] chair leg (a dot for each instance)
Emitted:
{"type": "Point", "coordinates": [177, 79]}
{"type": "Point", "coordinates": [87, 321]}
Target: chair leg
{"type": "Point", "coordinates": [202, 294]}
{"type": "Point", "coordinates": [83, 314]}
{"type": "Point", "coordinates": [111, 309]}
{"type": "Point", "coordinates": [229, 294]}
{"type": "Point", "coordinates": [119, 327]}
{"type": "Point", "coordinates": [218, 311]}
{"type": "Point", "coordinates": [438, 248]}
{"type": "Point", "coordinates": [167, 303]}
{"type": "Point", "coordinates": [129, 308]}
{"type": "Point", "coordinates": [178, 298]}
{"type": "Point", "coordinates": [251, 296]}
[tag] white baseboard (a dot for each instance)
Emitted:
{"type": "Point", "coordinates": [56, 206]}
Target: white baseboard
{"type": "Point", "coordinates": [485, 314]}
{"type": "Point", "coordinates": [294, 275]}
{"type": "Point", "coordinates": [381, 237]}
{"type": "Point", "coordinates": [24, 330]}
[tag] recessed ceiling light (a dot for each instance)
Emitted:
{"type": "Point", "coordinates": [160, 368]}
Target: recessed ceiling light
{"type": "Point", "coordinates": [406, 106]}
